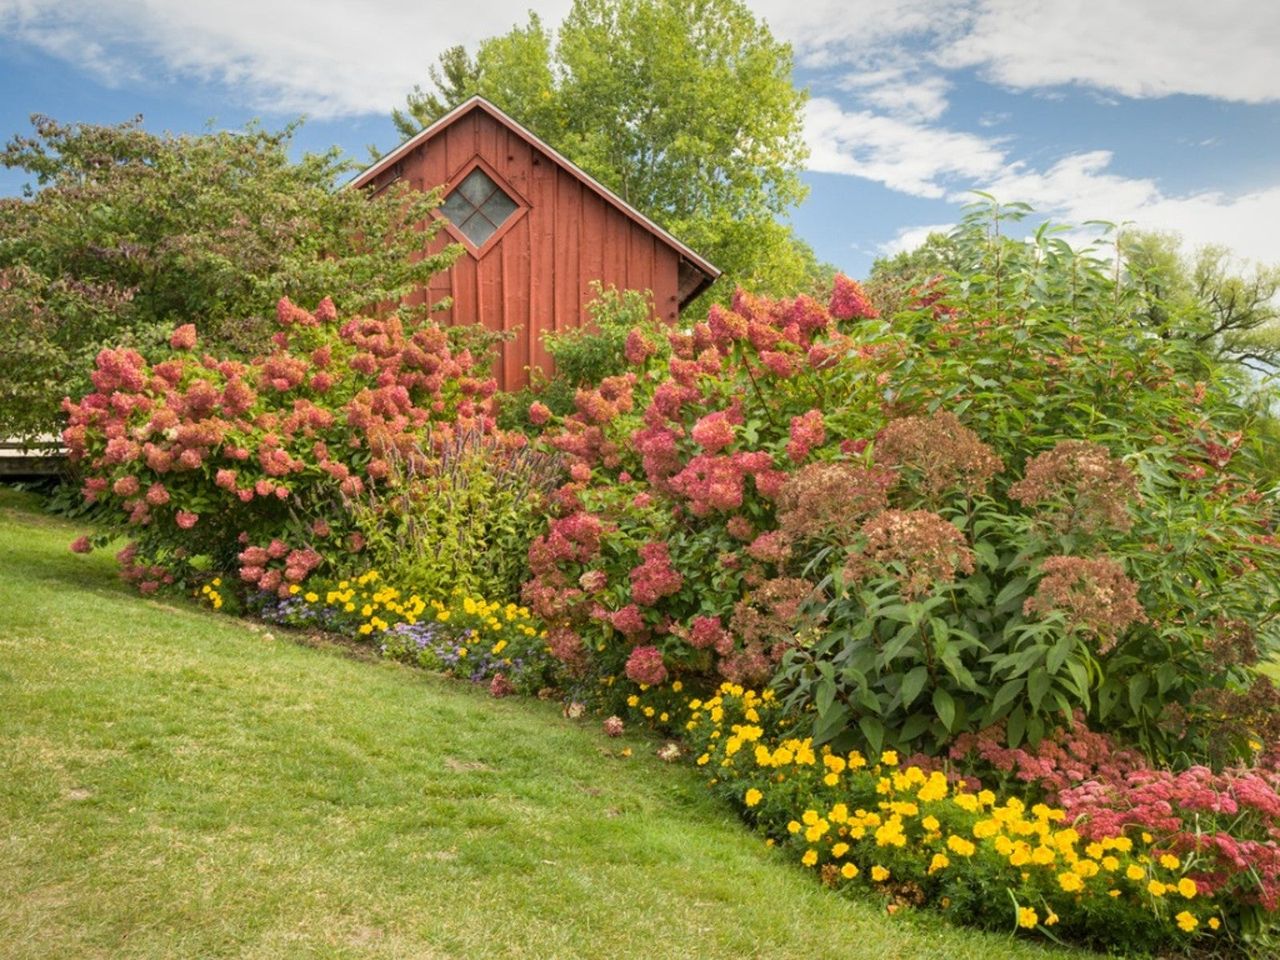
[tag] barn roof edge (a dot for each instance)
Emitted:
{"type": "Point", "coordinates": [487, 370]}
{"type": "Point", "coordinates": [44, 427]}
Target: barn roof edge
{"type": "Point", "coordinates": [710, 270]}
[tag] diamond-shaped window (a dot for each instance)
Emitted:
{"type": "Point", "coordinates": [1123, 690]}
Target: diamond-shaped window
{"type": "Point", "coordinates": [478, 207]}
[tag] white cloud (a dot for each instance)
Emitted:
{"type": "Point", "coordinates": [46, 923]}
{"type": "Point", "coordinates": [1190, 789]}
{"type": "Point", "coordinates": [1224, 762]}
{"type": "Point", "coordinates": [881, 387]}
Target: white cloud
{"type": "Point", "coordinates": [1081, 187]}
{"type": "Point", "coordinates": [903, 155]}
{"type": "Point", "coordinates": [1137, 48]}
{"type": "Point", "coordinates": [323, 57]}
{"type": "Point", "coordinates": [898, 92]}
{"type": "Point", "coordinates": [908, 238]}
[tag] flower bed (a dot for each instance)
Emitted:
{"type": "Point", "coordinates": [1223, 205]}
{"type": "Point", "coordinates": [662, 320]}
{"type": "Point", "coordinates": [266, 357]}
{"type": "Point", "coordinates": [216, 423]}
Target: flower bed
{"type": "Point", "coordinates": [1088, 870]}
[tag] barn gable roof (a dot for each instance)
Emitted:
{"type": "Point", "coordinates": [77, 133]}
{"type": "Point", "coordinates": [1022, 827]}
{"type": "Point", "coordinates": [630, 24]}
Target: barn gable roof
{"type": "Point", "coordinates": [696, 273]}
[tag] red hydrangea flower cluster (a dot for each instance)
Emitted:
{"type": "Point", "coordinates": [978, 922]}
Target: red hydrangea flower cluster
{"type": "Point", "coordinates": [645, 665]}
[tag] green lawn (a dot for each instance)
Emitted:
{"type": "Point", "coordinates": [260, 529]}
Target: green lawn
{"type": "Point", "coordinates": [179, 784]}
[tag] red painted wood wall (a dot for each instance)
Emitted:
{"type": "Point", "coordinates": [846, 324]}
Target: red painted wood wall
{"type": "Point", "coordinates": [537, 275]}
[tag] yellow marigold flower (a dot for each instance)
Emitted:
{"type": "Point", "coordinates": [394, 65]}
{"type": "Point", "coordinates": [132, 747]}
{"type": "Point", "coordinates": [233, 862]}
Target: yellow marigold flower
{"type": "Point", "coordinates": [856, 760]}
{"type": "Point", "coordinates": [794, 827]}
{"type": "Point", "coordinates": [809, 817]}
{"type": "Point", "coordinates": [1043, 856]}
{"type": "Point", "coordinates": [499, 647]}
{"type": "Point", "coordinates": [1170, 862]}
{"type": "Point", "coordinates": [1186, 921]}
{"type": "Point", "coordinates": [940, 861]}
{"type": "Point", "coordinates": [831, 779]}
{"type": "Point", "coordinates": [1110, 864]}
{"type": "Point", "coordinates": [935, 788]}
{"type": "Point", "coordinates": [840, 849]}
{"type": "Point", "coordinates": [961, 846]}
{"type": "Point", "coordinates": [1214, 923]}
{"type": "Point", "coordinates": [753, 797]}
{"type": "Point", "coordinates": [731, 744]}
{"type": "Point", "coordinates": [931, 823]}
{"type": "Point", "coordinates": [810, 858]}
{"type": "Point", "coordinates": [889, 758]}
{"type": "Point", "coordinates": [986, 828]}
{"type": "Point", "coordinates": [838, 814]}
{"type": "Point", "coordinates": [1113, 893]}
{"type": "Point", "coordinates": [1187, 887]}
{"type": "Point", "coordinates": [1027, 918]}
{"type": "Point", "coordinates": [817, 831]}
{"type": "Point", "coordinates": [1156, 888]}
{"type": "Point", "coordinates": [1134, 872]}
{"type": "Point", "coordinates": [1085, 868]}
{"type": "Point", "coordinates": [294, 589]}
{"type": "Point", "coordinates": [1070, 882]}
{"type": "Point", "coordinates": [442, 616]}
{"type": "Point", "coordinates": [879, 874]}
{"type": "Point", "coordinates": [702, 760]}
{"type": "Point", "coordinates": [849, 871]}
{"type": "Point", "coordinates": [1094, 850]}
{"type": "Point", "coordinates": [966, 801]}
{"type": "Point", "coordinates": [1051, 919]}
{"type": "Point", "coordinates": [834, 763]}
{"type": "Point", "coordinates": [366, 628]}
{"type": "Point", "coordinates": [664, 716]}
{"type": "Point", "coordinates": [987, 798]}
{"type": "Point", "coordinates": [677, 686]}
{"type": "Point", "coordinates": [349, 607]}
{"type": "Point", "coordinates": [633, 701]}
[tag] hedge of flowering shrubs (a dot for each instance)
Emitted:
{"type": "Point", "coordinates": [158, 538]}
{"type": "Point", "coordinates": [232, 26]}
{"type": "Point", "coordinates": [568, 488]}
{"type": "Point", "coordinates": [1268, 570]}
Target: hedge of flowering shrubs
{"type": "Point", "coordinates": [248, 469]}
{"type": "Point", "coordinates": [1073, 863]}
{"type": "Point", "coordinates": [995, 507]}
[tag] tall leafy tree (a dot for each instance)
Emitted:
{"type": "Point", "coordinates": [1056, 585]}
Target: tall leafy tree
{"type": "Point", "coordinates": [685, 108]}
{"type": "Point", "coordinates": [124, 234]}
{"type": "Point", "coordinates": [1208, 296]}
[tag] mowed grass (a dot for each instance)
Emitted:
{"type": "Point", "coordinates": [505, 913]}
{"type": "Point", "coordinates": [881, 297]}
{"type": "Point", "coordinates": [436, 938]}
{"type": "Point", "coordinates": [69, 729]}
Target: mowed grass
{"type": "Point", "coordinates": [175, 783]}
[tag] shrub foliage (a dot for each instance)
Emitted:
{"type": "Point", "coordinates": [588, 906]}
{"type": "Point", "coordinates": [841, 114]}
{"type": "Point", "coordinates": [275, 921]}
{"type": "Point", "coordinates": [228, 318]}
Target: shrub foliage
{"type": "Point", "coordinates": [1006, 502]}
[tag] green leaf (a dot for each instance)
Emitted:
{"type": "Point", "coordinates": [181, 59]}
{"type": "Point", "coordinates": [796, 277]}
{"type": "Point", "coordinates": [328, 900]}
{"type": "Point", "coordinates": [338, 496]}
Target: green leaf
{"type": "Point", "coordinates": [873, 730]}
{"type": "Point", "coordinates": [1038, 683]}
{"type": "Point", "coordinates": [1059, 653]}
{"type": "Point", "coordinates": [1016, 726]}
{"type": "Point", "coordinates": [945, 707]}
{"type": "Point", "coordinates": [913, 683]}
{"type": "Point", "coordinates": [1139, 684]}
{"type": "Point", "coordinates": [1011, 596]}
{"type": "Point", "coordinates": [830, 724]}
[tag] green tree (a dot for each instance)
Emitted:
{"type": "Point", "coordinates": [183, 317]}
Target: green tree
{"type": "Point", "coordinates": [685, 108]}
{"type": "Point", "coordinates": [124, 234]}
{"type": "Point", "coordinates": [1207, 297]}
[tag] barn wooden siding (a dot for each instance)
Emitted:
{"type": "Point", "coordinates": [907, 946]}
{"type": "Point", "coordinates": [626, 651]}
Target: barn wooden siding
{"type": "Point", "coordinates": [536, 274]}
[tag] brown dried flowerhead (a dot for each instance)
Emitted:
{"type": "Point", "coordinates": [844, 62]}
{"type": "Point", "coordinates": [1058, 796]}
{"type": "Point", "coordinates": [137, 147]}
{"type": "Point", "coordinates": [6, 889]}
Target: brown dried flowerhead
{"type": "Point", "coordinates": [1094, 596]}
{"type": "Point", "coordinates": [918, 548]}
{"type": "Point", "coordinates": [1079, 486]}
{"type": "Point", "coordinates": [830, 500]}
{"type": "Point", "coordinates": [938, 453]}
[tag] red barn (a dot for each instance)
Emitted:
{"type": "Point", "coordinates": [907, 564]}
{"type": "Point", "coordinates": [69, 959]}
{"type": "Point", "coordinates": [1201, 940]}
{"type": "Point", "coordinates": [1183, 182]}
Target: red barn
{"type": "Point", "coordinates": [537, 231]}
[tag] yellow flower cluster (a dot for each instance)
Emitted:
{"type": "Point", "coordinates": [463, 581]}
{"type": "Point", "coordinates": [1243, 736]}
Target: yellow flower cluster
{"type": "Point", "coordinates": [210, 595]}
{"type": "Point", "coordinates": [380, 606]}
{"type": "Point", "coordinates": [906, 823]}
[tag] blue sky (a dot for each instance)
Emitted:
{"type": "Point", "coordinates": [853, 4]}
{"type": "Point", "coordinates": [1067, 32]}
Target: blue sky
{"type": "Point", "coordinates": [1164, 113]}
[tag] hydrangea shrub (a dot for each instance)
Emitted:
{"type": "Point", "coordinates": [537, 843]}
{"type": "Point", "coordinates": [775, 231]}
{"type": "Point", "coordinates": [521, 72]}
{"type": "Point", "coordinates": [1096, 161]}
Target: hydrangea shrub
{"type": "Point", "coordinates": [248, 467]}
